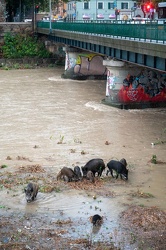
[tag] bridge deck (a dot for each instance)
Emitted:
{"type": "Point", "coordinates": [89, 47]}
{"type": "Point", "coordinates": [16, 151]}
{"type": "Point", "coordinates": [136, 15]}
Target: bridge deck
{"type": "Point", "coordinates": [144, 44]}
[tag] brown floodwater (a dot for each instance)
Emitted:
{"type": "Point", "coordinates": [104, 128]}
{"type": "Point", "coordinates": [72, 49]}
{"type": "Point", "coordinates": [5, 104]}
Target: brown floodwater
{"type": "Point", "coordinates": [38, 109]}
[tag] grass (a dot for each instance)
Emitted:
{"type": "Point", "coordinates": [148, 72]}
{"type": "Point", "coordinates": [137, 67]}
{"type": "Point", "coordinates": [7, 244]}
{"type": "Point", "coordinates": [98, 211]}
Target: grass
{"type": "Point", "coordinates": [61, 139]}
{"type": "Point", "coordinates": [3, 166]}
{"type": "Point", "coordinates": [154, 159]}
{"type": "Point", "coordinates": [2, 206]}
{"type": "Point", "coordinates": [49, 189]}
{"type": "Point", "coordinates": [141, 194]}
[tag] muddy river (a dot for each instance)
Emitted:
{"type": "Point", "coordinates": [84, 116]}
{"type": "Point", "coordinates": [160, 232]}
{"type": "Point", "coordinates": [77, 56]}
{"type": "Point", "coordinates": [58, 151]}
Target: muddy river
{"type": "Point", "coordinates": [56, 122]}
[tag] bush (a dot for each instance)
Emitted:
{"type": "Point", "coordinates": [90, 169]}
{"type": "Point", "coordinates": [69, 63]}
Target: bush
{"type": "Point", "coordinates": [19, 46]}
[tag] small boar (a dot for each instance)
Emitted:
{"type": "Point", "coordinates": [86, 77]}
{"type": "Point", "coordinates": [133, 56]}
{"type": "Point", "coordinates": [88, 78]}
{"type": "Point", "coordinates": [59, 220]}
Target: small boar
{"type": "Point", "coordinates": [65, 178]}
{"type": "Point", "coordinates": [78, 172]}
{"type": "Point", "coordinates": [31, 191]}
{"type": "Point", "coordinates": [90, 176]}
{"type": "Point", "coordinates": [119, 167]}
{"type": "Point", "coordinates": [96, 220]}
{"type": "Point", "coordinates": [67, 173]}
{"type": "Point", "coordinates": [94, 165]}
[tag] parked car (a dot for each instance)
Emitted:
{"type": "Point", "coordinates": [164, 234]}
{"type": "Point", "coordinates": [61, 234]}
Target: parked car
{"type": "Point", "coordinates": [27, 20]}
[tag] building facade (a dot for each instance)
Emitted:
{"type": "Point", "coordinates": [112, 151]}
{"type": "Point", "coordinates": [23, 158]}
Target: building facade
{"type": "Point", "coordinates": [102, 10]}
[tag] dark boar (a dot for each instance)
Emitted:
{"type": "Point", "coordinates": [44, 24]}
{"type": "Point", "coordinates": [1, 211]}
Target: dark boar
{"type": "Point", "coordinates": [124, 162]}
{"type": "Point", "coordinates": [90, 176]}
{"type": "Point", "coordinates": [78, 172]}
{"type": "Point", "coordinates": [67, 174]}
{"type": "Point", "coordinates": [119, 167]}
{"type": "Point", "coordinates": [31, 191]}
{"type": "Point", "coordinates": [96, 220]}
{"type": "Point", "coordinates": [94, 165]}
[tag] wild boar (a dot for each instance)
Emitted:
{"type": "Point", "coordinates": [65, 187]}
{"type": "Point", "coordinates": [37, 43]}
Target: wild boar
{"type": "Point", "coordinates": [31, 191]}
{"type": "Point", "coordinates": [69, 173]}
{"type": "Point", "coordinates": [94, 165]}
{"type": "Point", "coordinates": [78, 172]}
{"type": "Point", "coordinates": [96, 220]}
{"type": "Point", "coordinates": [119, 167]}
{"type": "Point", "coordinates": [90, 176]}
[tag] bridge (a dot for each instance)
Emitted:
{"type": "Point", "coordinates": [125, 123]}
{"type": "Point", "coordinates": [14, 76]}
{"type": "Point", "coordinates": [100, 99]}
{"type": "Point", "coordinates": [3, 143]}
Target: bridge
{"type": "Point", "coordinates": [110, 50]}
{"type": "Point", "coordinates": [134, 42]}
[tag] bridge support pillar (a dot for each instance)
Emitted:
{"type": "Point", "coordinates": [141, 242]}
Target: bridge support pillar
{"type": "Point", "coordinates": [71, 57]}
{"type": "Point", "coordinates": [83, 65]}
{"type": "Point", "coordinates": [133, 86]}
{"type": "Point", "coordinates": [117, 71]}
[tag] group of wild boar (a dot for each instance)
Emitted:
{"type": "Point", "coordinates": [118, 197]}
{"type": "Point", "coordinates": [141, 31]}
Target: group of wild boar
{"type": "Point", "coordinates": [91, 168]}
{"type": "Point", "coordinates": [88, 171]}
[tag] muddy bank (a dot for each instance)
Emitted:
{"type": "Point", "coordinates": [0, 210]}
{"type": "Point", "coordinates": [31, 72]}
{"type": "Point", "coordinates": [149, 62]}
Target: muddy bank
{"type": "Point", "coordinates": [59, 218]}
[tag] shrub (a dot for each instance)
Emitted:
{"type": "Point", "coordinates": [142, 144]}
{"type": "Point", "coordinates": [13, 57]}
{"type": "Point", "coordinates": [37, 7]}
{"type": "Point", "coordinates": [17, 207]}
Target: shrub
{"type": "Point", "coordinates": [19, 46]}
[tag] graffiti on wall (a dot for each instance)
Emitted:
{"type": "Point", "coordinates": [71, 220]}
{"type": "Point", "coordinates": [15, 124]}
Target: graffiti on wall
{"type": "Point", "coordinates": [90, 64]}
{"type": "Point", "coordinates": [70, 62]}
{"type": "Point", "coordinates": [111, 82]}
{"type": "Point", "coordinates": [147, 86]}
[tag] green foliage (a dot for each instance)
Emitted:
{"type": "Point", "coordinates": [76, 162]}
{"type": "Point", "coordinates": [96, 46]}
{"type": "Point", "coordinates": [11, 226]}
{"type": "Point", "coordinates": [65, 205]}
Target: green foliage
{"type": "Point", "coordinates": [154, 159]}
{"type": "Point", "coordinates": [3, 166]}
{"type": "Point", "coordinates": [19, 46]}
{"type": "Point", "coordinates": [1, 206]}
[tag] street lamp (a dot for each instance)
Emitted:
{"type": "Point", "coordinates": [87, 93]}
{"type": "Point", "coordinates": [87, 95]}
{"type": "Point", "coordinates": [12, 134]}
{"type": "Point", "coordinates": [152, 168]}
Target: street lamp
{"type": "Point", "coordinates": [50, 15]}
{"type": "Point", "coordinates": [20, 11]}
{"type": "Point", "coordinates": [116, 9]}
{"type": "Point", "coordinates": [96, 9]}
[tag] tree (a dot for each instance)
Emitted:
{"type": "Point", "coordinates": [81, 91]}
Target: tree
{"type": "Point", "coordinates": [2, 11]}
{"type": "Point", "coordinates": [18, 7]}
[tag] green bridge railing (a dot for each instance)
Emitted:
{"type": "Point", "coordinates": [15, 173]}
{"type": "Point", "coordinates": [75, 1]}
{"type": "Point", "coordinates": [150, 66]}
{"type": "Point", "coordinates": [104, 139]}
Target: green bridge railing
{"type": "Point", "coordinates": [150, 31]}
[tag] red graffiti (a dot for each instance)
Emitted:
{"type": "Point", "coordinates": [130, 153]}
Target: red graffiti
{"type": "Point", "coordinates": [128, 94]}
{"type": "Point", "coordinates": [132, 94]}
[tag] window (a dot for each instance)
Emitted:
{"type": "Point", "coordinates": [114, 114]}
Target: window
{"type": "Point", "coordinates": [86, 5]}
{"type": "Point", "coordinates": [124, 5]}
{"type": "Point", "coordinates": [69, 6]}
{"type": "Point", "coordinates": [111, 5]}
{"type": "Point", "coordinates": [100, 5]}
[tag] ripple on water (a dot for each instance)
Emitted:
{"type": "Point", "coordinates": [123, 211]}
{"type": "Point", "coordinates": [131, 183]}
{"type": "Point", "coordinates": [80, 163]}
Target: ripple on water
{"type": "Point", "coordinates": [100, 107]}
{"type": "Point", "coordinates": [56, 79]}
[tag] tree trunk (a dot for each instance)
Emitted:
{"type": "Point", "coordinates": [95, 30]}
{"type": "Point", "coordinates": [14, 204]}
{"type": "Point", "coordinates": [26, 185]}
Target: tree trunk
{"type": "Point", "coordinates": [2, 11]}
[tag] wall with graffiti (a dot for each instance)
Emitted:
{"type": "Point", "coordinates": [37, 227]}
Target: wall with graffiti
{"type": "Point", "coordinates": [71, 58]}
{"type": "Point", "coordinates": [90, 64]}
{"type": "Point", "coordinates": [85, 64]}
{"type": "Point", "coordinates": [146, 86]}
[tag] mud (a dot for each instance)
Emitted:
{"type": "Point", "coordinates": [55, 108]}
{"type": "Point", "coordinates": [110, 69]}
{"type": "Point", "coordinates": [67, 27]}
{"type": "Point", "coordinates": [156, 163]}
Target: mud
{"type": "Point", "coordinates": [48, 123]}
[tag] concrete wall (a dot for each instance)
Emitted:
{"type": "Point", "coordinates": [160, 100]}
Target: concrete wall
{"type": "Point", "coordinates": [2, 10]}
{"type": "Point", "coordinates": [26, 28]}
{"type": "Point", "coordinates": [14, 28]}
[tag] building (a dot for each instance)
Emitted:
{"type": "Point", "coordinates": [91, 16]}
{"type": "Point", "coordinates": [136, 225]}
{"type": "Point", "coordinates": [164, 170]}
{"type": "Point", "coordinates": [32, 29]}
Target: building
{"type": "Point", "coordinates": [102, 10]}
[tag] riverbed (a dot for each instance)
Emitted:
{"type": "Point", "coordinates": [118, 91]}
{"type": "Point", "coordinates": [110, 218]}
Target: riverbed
{"type": "Point", "coordinates": [50, 122]}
